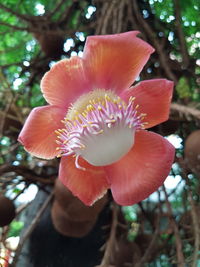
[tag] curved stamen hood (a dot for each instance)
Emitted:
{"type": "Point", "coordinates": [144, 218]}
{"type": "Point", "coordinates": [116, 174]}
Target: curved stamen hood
{"type": "Point", "coordinates": [99, 127]}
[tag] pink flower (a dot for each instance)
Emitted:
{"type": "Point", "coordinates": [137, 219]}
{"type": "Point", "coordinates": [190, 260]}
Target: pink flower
{"type": "Point", "coordinates": [100, 121]}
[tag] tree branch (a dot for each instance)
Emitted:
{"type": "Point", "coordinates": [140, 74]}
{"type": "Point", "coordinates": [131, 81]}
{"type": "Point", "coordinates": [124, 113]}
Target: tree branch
{"type": "Point", "coordinates": [179, 246]}
{"type": "Point", "coordinates": [181, 37]}
{"type": "Point", "coordinates": [188, 112]}
{"type": "Point", "coordinates": [31, 228]}
{"type": "Point", "coordinates": [155, 42]}
{"type": "Point", "coordinates": [9, 10]}
{"type": "Point", "coordinates": [28, 174]}
{"type": "Point", "coordinates": [111, 241]}
{"type": "Point", "coordinates": [56, 8]}
{"type": "Point", "coordinates": [14, 26]}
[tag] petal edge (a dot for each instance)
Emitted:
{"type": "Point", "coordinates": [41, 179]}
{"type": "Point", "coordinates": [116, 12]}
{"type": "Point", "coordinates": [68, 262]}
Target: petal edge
{"type": "Point", "coordinates": [37, 135]}
{"type": "Point", "coordinates": [142, 170]}
{"type": "Point", "coordinates": [65, 82]}
{"type": "Point", "coordinates": [88, 185]}
{"type": "Point", "coordinates": [114, 61]}
{"type": "Point", "coordinates": [153, 98]}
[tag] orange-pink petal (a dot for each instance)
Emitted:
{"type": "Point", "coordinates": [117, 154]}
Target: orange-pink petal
{"type": "Point", "coordinates": [143, 170]}
{"type": "Point", "coordinates": [38, 134]}
{"type": "Point", "coordinates": [114, 61]}
{"type": "Point", "coordinates": [65, 82]}
{"type": "Point", "coordinates": [88, 185]}
{"type": "Point", "coordinates": [153, 97]}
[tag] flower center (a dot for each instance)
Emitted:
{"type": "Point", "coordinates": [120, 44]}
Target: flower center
{"type": "Point", "coordinates": [99, 127]}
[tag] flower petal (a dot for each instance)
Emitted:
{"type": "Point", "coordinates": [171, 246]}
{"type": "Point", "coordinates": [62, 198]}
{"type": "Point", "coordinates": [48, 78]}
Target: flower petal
{"type": "Point", "coordinates": [153, 97]}
{"type": "Point", "coordinates": [114, 61]}
{"type": "Point", "coordinates": [142, 170]}
{"type": "Point", "coordinates": [88, 185]}
{"type": "Point", "coordinates": [65, 82]}
{"type": "Point", "coordinates": [37, 135]}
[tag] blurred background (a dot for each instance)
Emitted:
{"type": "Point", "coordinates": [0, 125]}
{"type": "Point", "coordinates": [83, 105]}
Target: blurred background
{"type": "Point", "coordinates": [160, 231]}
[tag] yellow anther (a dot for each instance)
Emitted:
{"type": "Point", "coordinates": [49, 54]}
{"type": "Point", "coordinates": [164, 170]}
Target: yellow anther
{"type": "Point", "coordinates": [107, 97]}
{"type": "Point", "coordinates": [84, 114]}
{"type": "Point", "coordinates": [89, 107]}
{"type": "Point", "coordinates": [59, 156]}
{"type": "Point", "coordinates": [120, 106]}
{"type": "Point", "coordinates": [57, 148]}
{"type": "Point", "coordinates": [101, 131]}
{"type": "Point", "coordinates": [131, 98]}
{"type": "Point", "coordinates": [137, 106]}
{"type": "Point", "coordinates": [99, 108]}
{"type": "Point", "coordinates": [102, 103]}
{"type": "Point", "coordinates": [92, 102]}
{"type": "Point", "coordinates": [57, 132]}
{"type": "Point", "coordinates": [65, 142]}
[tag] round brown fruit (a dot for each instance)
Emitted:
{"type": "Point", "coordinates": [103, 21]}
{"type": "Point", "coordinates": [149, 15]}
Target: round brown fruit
{"type": "Point", "coordinates": [67, 226]}
{"type": "Point", "coordinates": [7, 211]}
{"type": "Point", "coordinates": [75, 209]}
{"type": "Point", "coordinates": [192, 151]}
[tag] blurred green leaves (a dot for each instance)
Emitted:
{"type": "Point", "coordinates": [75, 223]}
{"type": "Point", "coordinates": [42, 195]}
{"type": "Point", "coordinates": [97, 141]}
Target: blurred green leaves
{"type": "Point", "coordinates": [15, 228]}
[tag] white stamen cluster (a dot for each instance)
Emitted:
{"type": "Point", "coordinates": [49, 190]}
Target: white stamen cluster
{"type": "Point", "coordinates": [102, 133]}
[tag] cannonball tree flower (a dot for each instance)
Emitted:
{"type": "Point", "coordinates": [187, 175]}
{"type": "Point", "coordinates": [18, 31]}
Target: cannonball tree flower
{"type": "Point", "coordinates": [96, 121]}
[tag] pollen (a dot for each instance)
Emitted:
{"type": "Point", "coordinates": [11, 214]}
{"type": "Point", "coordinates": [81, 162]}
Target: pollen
{"type": "Point", "coordinates": [99, 127]}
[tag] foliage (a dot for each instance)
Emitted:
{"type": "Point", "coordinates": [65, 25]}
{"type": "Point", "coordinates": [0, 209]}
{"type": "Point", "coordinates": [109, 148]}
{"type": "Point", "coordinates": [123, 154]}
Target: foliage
{"type": "Point", "coordinates": [15, 228]}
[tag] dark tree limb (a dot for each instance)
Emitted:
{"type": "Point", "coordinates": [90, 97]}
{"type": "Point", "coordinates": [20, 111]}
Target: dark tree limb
{"type": "Point", "coordinates": [56, 9]}
{"type": "Point", "coordinates": [179, 245]}
{"type": "Point", "coordinates": [160, 51]}
{"type": "Point", "coordinates": [111, 242]}
{"type": "Point", "coordinates": [187, 112]}
{"type": "Point", "coordinates": [28, 174]}
{"type": "Point", "coordinates": [149, 249]}
{"type": "Point", "coordinates": [31, 228]}
{"type": "Point", "coordinates": [14, 27]}
{"type": "Point", "coordinates": [181, 36]}
{"type": "Point", "coordinates": [11, 11]}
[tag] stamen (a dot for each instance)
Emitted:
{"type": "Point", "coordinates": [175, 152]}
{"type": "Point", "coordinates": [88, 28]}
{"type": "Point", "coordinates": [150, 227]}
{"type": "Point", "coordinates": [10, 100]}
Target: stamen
{"type": "Point", "coordinates": [102, 132]}
{"type": "Point", "coordinates": [77, 164]}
